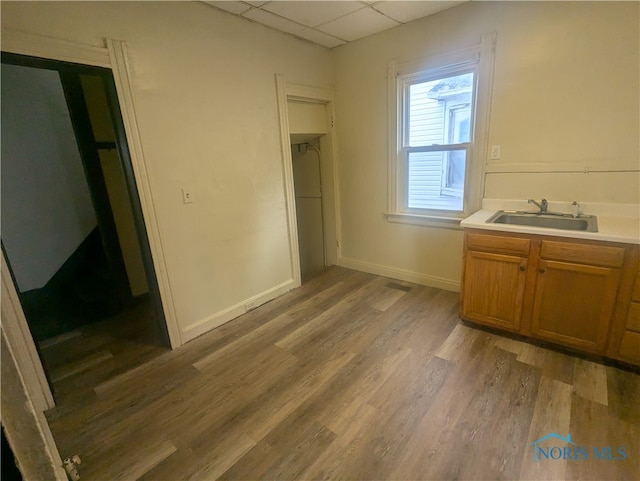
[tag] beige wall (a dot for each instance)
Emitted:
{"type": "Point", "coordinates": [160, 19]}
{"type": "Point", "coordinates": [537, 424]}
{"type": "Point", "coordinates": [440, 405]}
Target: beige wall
{"type": "Point", "coordinates": [565, 98]}
{"type": "Point", "coordinates": [206, 106]}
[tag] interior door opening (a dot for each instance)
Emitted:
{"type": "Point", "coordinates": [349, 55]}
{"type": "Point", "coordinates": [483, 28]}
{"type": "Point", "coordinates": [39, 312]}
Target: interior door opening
{"type": "Point", "coordinates": [307, 175]}
{"type": "Point", "coordinates": [72, 228]}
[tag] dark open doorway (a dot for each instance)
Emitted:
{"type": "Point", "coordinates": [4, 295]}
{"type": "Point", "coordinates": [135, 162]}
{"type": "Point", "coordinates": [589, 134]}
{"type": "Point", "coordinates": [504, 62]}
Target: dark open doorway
{"type": "Point", "coordinates": [72, 226]}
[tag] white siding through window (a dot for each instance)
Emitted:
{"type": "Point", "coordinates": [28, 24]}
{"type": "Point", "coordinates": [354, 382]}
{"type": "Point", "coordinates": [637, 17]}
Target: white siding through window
{"type": "Point", "coordinates": [426, 127]}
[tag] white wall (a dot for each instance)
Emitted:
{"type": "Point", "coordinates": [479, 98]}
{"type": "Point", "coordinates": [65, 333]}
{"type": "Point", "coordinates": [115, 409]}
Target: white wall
{"type": "Point", "coordinates": [206, 105]}
{"type": "Point", "coordinates": [565, 97]}
{"type": "Point", "coordinates": [46, 205]}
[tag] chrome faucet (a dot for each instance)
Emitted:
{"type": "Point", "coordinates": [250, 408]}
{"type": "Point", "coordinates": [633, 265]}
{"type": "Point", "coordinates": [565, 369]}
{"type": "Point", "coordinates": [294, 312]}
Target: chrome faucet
{"type": "Point", "coordinates": [542, 205]}
{"type": "Point", "coordinates": [576, 209]}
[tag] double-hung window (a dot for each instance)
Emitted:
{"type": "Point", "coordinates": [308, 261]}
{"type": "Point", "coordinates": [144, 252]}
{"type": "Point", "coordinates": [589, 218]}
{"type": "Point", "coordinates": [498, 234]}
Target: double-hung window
{"type": "Point", "coordinates": [438, 124]}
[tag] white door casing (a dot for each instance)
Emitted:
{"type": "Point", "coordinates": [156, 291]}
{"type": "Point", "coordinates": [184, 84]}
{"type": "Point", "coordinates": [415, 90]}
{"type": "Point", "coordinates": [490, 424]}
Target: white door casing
{"type": "Point", "coordinates": [285, 92]}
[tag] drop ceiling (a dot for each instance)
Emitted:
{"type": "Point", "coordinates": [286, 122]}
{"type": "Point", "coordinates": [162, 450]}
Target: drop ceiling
{"type": "Point", "coordinates": [331, 23]}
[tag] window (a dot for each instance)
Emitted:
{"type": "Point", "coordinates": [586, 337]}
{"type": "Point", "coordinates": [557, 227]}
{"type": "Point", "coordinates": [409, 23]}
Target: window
{"type": "Point", "coordinates": [437, 140]}
{"type": "Point", "coordinates": [439, 129]}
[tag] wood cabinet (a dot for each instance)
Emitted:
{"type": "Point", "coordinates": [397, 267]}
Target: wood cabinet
{"type": "Point", "coordinates": [495, 279]}
{"type": "Point", "coordinates": [564, 291]}
{"type": "Point", "coordinates": [575, 293]}
{"type": "Point", "coordinates": [625, 339]}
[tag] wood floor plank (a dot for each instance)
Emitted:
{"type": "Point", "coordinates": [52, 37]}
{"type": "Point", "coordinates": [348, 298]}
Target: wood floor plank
{"type": "Point", "coordinates": [623, 395]}
{"type": "Point", "coordinates": [427, 455]}
{"type": "Point", "coordinates": [279, 326]}
{"type": "Point", "coordinates": [180, 464]}
{"type": "Point", "coordinates": [455, 344]}
{"type": "Point", "coordinates": [331, 463]}
{"type": "Point", "coordinates": [323, 321]}
{"type": "Point", "coordinates": [309, 289]}
{"type": "Point", "coordinates": [354, 388]}
{"type": "Point", "coordinates": [593, 427]}
{"type": "Point", "coordinates": [221, 457]}
{"type": "Point", "coordinates": [503, 410]}
{"type": "Point", "coordinates": [119, 463]}
{"type": "Point", "coordinates": [552, 415]}
{"type": "Point", "coordinates": [306, 448]}
{"type": "Point", "coordinates": [590, 381]}
{"type": "Point", "coordinates": [399, 413]}
{"type": "Point", "coordinates": [388, 297]}
{"type": "Point", "coordinates": [80, 366]}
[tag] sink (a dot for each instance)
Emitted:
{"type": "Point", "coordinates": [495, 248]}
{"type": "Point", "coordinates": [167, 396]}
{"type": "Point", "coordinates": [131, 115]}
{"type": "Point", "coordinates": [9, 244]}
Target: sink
{"type": "Point", "coordinates": [588, 223]}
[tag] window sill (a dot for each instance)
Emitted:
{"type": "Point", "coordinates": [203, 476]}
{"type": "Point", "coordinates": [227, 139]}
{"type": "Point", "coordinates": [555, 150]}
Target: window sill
{"type": "Point", "coordinates": [442, 222]}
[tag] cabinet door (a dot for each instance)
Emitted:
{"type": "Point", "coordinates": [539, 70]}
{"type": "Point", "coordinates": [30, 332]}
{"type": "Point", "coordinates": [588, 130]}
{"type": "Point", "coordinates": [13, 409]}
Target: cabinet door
{"type": "Point", "coordinates": [493, 289]}
{"type": "Point", "coordinates": [574, 303]}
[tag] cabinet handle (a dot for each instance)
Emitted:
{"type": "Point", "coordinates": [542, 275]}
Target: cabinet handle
{"type": "Point", "coordinates": [523, 268]}
{"type": "Point", "coordinates": [541, 270]}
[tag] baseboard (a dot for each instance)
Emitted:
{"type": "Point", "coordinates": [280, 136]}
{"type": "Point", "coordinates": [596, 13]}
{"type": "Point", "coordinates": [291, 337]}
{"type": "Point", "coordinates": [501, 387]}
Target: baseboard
{"type": "Point", "coordinates": [401, 274]}
{"type": "Point", "coordinates": [211, 322]}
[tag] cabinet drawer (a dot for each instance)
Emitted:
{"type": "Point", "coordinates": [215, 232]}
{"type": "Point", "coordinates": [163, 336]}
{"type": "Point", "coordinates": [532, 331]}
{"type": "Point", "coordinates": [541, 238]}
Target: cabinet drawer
{"type": "Point", "coordinates": [583, 253]}
{"type": "Point", "coordinates": [630, 346]}
{"type": "Point", "coordinates": [633, 318]}
{"type": "Point", "coordinates": [500, 244]}
{"type": "Point", "coordinates": [636, 289]}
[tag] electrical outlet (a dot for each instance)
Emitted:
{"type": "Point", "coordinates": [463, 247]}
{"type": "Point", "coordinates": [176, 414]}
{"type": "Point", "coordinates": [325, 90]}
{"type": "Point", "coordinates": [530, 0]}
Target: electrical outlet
{"type": "Point", "coordinates": [187, 196]}
{"type": "Point", "coordinates": [495, 152]}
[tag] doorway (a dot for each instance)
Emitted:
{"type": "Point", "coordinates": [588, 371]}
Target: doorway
{"type": "Point", "coordinates": [72, 227]}
{"type": "Point", "coordinates": [307, 181]}
{"type": "Point", "coordinates": [309, 153]}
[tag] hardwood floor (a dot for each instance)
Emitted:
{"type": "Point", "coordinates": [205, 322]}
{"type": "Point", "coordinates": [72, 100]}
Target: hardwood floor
{"type": "Point", "coordinates": [354, 376]}
{"type": "Point", "coordinates": [79, 360]}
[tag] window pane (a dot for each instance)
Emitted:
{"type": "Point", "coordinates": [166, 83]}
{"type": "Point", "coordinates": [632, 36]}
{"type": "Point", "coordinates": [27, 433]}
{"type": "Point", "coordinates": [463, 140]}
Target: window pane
{"type": "Point", "coordinates": [456, 164]}
{"type": "Point", "coordinates": [436, 179]}
{"type": "Point", "coordinates": [439, 111]}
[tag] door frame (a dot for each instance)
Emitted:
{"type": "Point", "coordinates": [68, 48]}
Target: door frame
{"type": "Point", "coordinates": [286, 91]}
{"type": "Point", "coordinates": [114, 57]}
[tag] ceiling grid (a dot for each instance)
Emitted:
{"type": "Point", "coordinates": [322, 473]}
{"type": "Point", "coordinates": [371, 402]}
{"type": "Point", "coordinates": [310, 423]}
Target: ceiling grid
{"type": "Point", "coordinates": [332, 23]}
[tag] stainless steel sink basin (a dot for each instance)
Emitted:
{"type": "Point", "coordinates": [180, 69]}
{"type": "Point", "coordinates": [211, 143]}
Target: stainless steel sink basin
{"type": "Point", "coordinates": [588, 223]}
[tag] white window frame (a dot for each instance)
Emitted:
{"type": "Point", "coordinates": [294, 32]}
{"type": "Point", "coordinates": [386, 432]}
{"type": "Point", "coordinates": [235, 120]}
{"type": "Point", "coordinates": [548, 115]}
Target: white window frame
{"type": "Point", "coordinates": [479, 59]}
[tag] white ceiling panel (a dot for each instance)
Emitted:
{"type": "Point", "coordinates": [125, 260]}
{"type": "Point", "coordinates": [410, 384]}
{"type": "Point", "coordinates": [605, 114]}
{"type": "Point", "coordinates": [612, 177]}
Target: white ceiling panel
{"type": "Point", "coordinates": [320, 38]}
{"type": "Point", "coordinates": [406, 11]}
{"type": "Point", "coordinates": [358, 24]}
{"type": "Point", "coordinates": [333, 22]}
{"type": "Point", "coordinates": [274, 21]}
{"type": "Point", "coordinates": [313, 13]}
{"type": "Point", "coordinates": [232, 7]}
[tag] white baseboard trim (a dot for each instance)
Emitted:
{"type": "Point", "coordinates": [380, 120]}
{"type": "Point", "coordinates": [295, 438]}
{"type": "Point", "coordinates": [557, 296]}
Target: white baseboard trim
{"type": "Point", "coordinates": [401, 274]}
{"type": "Point", "coordinates": [210, 322]}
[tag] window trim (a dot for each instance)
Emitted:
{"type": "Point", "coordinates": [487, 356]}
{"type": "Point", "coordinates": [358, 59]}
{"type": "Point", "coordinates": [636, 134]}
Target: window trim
{"type": "Point", "coordinates": [480, 58]}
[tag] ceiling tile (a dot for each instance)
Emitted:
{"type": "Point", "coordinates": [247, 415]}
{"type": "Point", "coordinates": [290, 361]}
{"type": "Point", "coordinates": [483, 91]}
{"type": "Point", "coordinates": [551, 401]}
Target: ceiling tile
{"type": "Point", "coordinates": [320, 38]}
{"type": "Point", "coordinates": [273, 21]}
{"type": "Point", "coordinates": [358, 24]}
{"type": "Point", "coordinates": [233, 7]}
{"type": "Point", "coordinates": [406, 11]}
{"type": "Point", "coordinates": [313, 13]}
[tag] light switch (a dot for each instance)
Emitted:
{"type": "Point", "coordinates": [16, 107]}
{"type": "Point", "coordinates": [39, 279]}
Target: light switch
{"type": "Point", "coordinates": [187, 196]}
{"type": "Point", "coordinates": [495, 152]}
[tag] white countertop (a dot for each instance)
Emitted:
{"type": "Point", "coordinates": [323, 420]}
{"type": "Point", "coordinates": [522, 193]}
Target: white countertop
{"type": "Point", "coordinates": [616, 222]}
